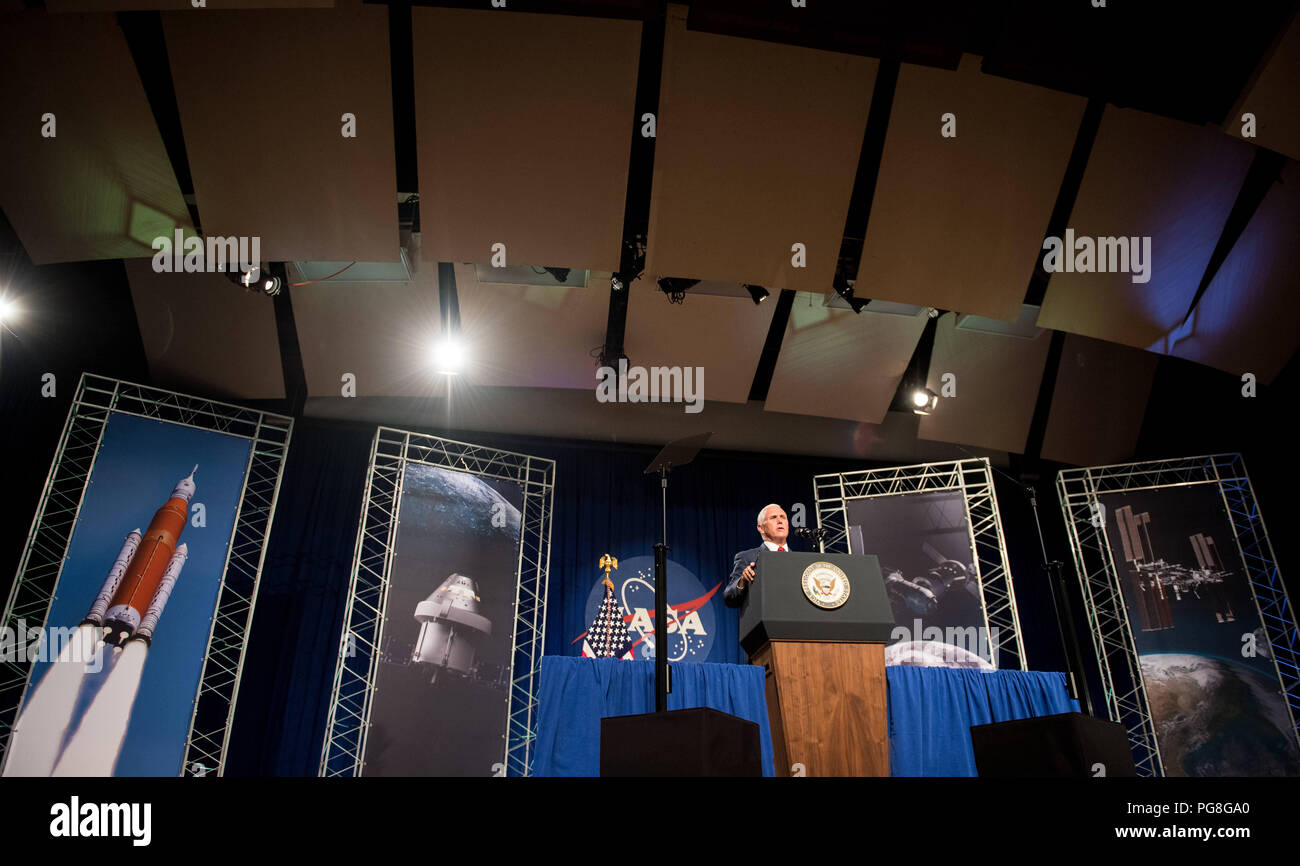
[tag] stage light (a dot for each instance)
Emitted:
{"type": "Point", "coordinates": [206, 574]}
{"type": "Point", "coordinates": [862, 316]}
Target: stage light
{"type": "Point", "coordinates": [675, 288]}
{"type": "Point", "coordinates": [449, 355]}
{"type": "Point", "coordinates": [616, 282]}
{"type": "Point", "coordinates": [256, 280]}
{"type": "Point", "coordinates": [8, 311]}
{"type": "Point", "coordinates": [924, 401]}
{"type": "Point", "coordinates": [758, 293]}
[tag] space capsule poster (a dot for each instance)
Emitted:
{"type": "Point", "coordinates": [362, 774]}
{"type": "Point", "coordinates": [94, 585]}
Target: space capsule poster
{"type": "Point", "coordinates": [923, 543]}
{"type": "Point", "coordinates": [443, 679]}
{"type": "Point", "coordinates": [133, 604]}
{"type": "Point", "coordinates": [1209, 676]}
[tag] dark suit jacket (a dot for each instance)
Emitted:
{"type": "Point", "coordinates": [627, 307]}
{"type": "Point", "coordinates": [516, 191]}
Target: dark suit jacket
{"type": "Point", "coordinates": [736, 588]}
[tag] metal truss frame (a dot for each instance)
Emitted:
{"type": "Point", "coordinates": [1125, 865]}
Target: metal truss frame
{"type": "Point", "coordinates": [974, 478]}
{"type": "Point", "coordinates": [359, 645]}
{"type": "Point", "coordinates": [48, 541]}
{"type": "Point", "coordinates": [1108, 622]}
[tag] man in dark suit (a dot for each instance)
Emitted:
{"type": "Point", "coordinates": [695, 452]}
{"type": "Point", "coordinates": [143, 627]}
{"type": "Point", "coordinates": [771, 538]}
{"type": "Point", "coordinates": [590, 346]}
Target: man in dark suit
{"type": "Point", "coordinates": [774, 529]}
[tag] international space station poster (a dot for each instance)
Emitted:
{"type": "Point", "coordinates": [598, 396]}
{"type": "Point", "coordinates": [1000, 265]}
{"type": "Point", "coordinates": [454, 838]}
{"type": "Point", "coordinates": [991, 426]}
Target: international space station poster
{"type": "Point", "coordinates": [133, 605]}
{"type": "Point", "coordinates": [1210, 679]}
{"type": "Point", "coordinates": [442, 684]}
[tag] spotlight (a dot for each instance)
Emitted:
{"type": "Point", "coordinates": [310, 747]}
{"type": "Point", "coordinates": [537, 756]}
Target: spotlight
{"type": "Point", "coordinates": [449, 355]}
{"type": "Point", "coordinates": [256, 280]}
{"type": "Point", "coordinates": [616, 282]}
{"type": "Point", "coordinates": [8, 311]}
{"type": "Point", "coordinates": [561, 274]}
{"type": "Point", "coordinates": [675, 288]}
{"type": "Point", "coordinates": [758, 293]}
{"type": "Point", "coordinates": [924, 401]}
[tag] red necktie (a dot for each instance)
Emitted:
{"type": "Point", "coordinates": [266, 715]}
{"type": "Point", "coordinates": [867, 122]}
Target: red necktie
{"type": "Point", "coordinates": [780, 550]}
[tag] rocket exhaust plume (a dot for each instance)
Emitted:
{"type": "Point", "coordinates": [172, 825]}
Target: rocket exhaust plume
{"type": "Point", "coordinates": [35, 742]}
{"type": "Point", "coordinates": [94, 748]}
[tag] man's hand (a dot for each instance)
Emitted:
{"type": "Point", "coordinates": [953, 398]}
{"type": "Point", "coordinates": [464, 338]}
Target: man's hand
{"type": "Point", "coordinates": [748, 574]}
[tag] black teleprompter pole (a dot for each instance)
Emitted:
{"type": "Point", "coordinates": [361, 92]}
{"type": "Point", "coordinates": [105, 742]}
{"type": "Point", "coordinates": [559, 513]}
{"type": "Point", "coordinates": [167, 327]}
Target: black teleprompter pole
{"type": "Point", "coordinates": [661, 631]}
{"type": "Point", "coordinates": [677, 453]}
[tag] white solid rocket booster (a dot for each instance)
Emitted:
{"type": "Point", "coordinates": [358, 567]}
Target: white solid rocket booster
{"type": "Point", "coordinates": [97, 610]}
{"type": "Point", "coordinates": [164, 591]}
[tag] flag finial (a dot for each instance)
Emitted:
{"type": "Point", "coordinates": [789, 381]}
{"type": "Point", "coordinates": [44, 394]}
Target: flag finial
{"type": "Point", "coordinates": [607, 562]}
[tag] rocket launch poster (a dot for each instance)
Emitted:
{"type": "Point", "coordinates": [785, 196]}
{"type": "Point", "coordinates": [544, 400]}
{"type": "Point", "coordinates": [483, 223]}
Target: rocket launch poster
{"type": "Point", "coordinates": [443, 679]}
{"type": "Point", "coordinates": [137, 591]}
{"type": "Point", "coordinates": [1210, 680]}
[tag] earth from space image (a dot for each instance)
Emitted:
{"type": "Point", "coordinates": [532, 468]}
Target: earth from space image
{"type": "Point", "coordinates": [1215, 717]}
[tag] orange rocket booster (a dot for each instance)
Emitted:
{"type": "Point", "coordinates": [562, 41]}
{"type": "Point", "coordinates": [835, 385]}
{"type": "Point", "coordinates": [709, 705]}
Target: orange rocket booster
{"type": "Point", "coordinates": [133, 597]}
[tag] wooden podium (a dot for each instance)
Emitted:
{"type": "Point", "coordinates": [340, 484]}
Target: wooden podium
{"type": "Point", "coordinates": [824, 666]}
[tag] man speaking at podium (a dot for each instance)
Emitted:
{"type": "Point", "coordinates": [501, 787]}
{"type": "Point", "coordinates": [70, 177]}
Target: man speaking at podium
{"type": "Point", "coordinates": [774, 529]}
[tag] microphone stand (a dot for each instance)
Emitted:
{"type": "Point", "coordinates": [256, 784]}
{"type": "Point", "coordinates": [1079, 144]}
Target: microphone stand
{"type": "Point", "coordinates": [816, 535]}
{"type": "Point", "coordinates": [1061, 599]}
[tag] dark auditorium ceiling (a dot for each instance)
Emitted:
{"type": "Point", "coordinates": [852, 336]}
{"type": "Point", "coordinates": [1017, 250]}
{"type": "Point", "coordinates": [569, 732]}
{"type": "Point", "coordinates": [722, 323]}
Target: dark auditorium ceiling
{"type": "Point", "coordinates": [775, 126]}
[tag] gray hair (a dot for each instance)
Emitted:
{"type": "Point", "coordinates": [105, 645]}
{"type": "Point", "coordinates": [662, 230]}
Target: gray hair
{"type": "Point", "coordinates": [762, 514]}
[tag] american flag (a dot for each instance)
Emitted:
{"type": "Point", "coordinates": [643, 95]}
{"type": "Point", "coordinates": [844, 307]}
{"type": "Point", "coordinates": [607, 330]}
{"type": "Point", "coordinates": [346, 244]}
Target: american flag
{"type": "Point", "coordinates": [608, 638]}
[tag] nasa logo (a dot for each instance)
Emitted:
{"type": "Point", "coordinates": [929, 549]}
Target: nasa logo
{"type": "Point", "coordinates": [691, 620]}
{"type": "Point", "coordinates": [825, 585]}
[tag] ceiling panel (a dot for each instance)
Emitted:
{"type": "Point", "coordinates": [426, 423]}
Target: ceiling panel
{"type": "Point", "coordinates": [207, 7]}
{"type": "Point", "coordinates": [381, 333]}
{"type": "Point", "coordinates": [723, 335]}
{"type": "Point", "coordinates": [757, 151]}
{"type": "Point", "coordinates": [264, 129]}
{"type": "Point", "coordinates": [1099, 402]}
{"type": "Point", "coordinates": [532, 336]}
{"type": "Point", "coordinates": [1147, 177]}
{"type": "Point", "coordinates": [1246, 320]}
{"type": "Point", "coordinates": [101, 187]}
{"type": "Point", "coordinates": [523, 127]}
{"type": "Point", "coordinates": [956, 223]}
{"type": "Point", "coordinates": [1272, 97]}
{"type": "Point", "coordinates": [838, 364]}
{"type": "Point", "coordinates": [996, 383]}
{"type": "Point", "coordinates": [203, 332]}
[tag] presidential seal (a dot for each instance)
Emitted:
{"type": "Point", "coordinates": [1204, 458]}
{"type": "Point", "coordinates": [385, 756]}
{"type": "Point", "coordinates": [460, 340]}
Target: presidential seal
{"type": "Point", "coordinates": [825, 585]}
